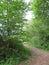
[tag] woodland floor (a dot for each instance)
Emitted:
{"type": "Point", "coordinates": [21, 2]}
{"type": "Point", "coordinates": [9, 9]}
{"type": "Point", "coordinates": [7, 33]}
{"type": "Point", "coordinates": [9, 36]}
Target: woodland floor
{"type": "Point", "coordinates": [39, 57]}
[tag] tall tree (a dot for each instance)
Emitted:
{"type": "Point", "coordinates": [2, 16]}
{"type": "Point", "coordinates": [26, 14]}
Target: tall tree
{"type": "Point", "coordinates": [11, 16]}
{"type": "Point", "coordinates": [11, 25]}
{"type": "Point", "coordinates": [40, 22]}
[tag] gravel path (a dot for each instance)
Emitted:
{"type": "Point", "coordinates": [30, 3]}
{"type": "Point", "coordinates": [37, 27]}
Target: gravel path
{"type": "Point", "coordinates": [39, 57]}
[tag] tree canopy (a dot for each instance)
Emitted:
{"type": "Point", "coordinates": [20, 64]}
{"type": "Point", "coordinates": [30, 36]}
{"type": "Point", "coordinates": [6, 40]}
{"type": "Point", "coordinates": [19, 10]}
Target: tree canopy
{"type": "Point", "coordinates": [39, 28]}
{"type": "Point", "coordinates": [11, 28]}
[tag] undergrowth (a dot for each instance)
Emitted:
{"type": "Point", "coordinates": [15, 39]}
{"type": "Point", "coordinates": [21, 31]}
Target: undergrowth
{"type": "Point", "coordinates": [39, 44]}
{"type": "Point", "coordinates": [12, 52]}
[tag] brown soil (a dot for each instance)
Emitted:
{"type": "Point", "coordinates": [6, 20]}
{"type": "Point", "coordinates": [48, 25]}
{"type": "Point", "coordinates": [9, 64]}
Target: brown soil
{"type": "Point", "coordinates": [39, 57]}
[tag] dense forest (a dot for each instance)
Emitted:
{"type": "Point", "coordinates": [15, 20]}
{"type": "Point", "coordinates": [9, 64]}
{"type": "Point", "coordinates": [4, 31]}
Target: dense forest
{"type": "Point", "coordinates": [39, 26]}
{"type": "Point", "coordinates": [18, 33]}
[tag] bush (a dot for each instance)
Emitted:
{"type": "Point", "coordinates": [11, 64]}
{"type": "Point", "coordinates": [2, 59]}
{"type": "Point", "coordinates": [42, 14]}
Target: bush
{"type": "Point", "coordinates": [13, 48]}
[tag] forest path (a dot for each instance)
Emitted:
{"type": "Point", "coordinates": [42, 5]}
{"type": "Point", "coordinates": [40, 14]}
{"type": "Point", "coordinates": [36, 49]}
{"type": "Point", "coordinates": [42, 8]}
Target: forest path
{"type": "Point", "coordinates": [39, 57]}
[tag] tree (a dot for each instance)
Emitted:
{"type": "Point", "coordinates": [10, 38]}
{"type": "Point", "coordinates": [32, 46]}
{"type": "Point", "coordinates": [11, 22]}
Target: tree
{"type": "Point", "coordinates": [11, 17]}
{"type": "Point", "coordinates": [11, 26]}
{"type": "Point", "coordinates": [40, 22]}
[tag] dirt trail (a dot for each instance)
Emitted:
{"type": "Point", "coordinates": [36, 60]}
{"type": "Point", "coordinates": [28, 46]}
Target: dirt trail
{"type": "Point", "coordinates": [39, 57]}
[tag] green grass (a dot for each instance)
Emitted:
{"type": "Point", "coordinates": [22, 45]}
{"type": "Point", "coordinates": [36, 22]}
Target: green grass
{"type": "Point", "coordinates": [39, 44]}
{"type": "Point", "coordinates": [16, 58]}
{"type": "Point", "coordinates": [10, 61]}
{"type": "Point", "coordinates": [13, 52]}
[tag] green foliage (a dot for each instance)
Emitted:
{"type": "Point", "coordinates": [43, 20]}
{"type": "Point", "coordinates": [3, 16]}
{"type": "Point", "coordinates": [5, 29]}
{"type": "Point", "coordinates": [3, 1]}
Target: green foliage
{"type": "Point", "coordinates": [11, 17]}
{"type": "Point", "coordinates": [39, 31]}
{"type": "Point", "coordinates": [11, 30]}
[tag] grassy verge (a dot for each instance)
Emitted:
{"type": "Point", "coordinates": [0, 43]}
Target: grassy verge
{"type": "Point", "coordinates": [39, 44]}
{"type": "Point", "coordinates": [16, 58]}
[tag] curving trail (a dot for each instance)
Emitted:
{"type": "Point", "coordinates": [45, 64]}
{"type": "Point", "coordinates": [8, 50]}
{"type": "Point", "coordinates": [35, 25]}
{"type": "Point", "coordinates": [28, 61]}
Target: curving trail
{"type": "Point", "coordinates": [39, 57]}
